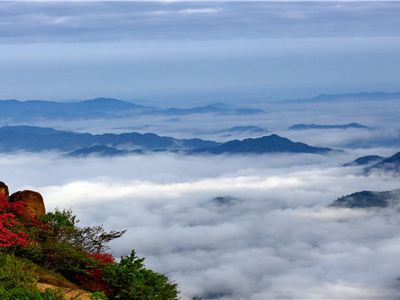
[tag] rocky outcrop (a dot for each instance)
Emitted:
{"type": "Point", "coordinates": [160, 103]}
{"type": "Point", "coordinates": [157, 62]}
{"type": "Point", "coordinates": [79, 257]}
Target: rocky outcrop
{"type": "Point", "coordinates": [3, 190]}
{"type": "Point", "coordinates": [34, 204]}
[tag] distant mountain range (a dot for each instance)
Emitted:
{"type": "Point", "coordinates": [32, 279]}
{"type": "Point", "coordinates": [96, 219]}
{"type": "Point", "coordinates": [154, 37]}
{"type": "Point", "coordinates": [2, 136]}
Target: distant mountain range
{"type": "Point", "coordinates": [36, 139]}
{"type": "Point", "coordinates": [29, 138]}
{"type": "Point", "coordinates": [317, 126]}
{"type": "Point", "coordinates": [363, 96]}
{"type": "Point", "coordinates": [16, 110]}
{"type": "Point", "coordinates": [13, 110]}
{"type": "Point", "coordinates": [367, 199]}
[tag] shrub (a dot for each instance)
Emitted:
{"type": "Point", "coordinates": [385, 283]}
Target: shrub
{"type": "Point", "coordinates": [92, 278]}
{"type": "Point", "coordinates": [89, 239]}
{"type": "Point", "coordinates": [60, 245]}
{"type": "Point", "coordinates": [17, 281]}
{"type": "Point", "coordinates": [98, 296]}
{"type": "Point", "coordinates": [10, 233]}
{"type": "Point", "coordinates": [129, 279]}
{"type": "Point", "coordinates": [11, 230]}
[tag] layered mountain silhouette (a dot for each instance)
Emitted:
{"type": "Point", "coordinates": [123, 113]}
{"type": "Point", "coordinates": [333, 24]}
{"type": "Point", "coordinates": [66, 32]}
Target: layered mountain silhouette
{"type": "Point", "coordinates": [267, 144]}
{"type": "Point", "coordinates": [36, 139]}
{"type": "Point", "coordinates": [318, 126]}
{"type": "Point", "coordinates": [29, 138]}
{"type": "Point", "coordinates": [16, 110]}
{"type": "Point", "coordinates": [366, 199]}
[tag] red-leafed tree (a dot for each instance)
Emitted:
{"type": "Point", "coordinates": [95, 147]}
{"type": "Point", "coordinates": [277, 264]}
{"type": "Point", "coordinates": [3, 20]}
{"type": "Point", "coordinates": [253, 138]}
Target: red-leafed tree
{"type": "Point", "coordinates": [92, 278]}
{"type": "Point", "coordinates": [10, 228]}
{"type": "Point", "coordinates": [10, 235]}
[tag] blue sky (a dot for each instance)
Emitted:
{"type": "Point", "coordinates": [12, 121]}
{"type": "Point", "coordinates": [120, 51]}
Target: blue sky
{"type": "Point", "coordinates": [197, 52]}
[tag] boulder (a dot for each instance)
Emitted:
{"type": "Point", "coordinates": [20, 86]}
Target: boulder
{"type": "Point", "coordinates": [3, 194]}
{"type": "Point", "coordinates": [3, 191]}
{"type": "Point", "coordinates": [33, 201]}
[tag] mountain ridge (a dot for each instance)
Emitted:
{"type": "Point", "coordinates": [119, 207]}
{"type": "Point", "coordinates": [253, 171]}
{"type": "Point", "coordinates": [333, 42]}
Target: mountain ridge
{"type": "Point", "coordinates": [267, 144]}
{"type": "Point", "coordinates": [28, 110]}
{"type": "Point", "coordinates": [36, 139]}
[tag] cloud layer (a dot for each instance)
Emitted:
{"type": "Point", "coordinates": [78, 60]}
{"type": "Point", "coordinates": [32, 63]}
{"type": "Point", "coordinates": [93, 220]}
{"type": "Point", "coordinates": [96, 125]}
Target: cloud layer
{"type": "Point", "coordinates": [72, 21]}
{"type": "Point", "coordinates": [275, 238]}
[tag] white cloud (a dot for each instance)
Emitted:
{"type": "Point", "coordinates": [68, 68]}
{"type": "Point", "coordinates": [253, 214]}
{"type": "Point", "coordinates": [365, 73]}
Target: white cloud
{"type": "Point", "coordinates": [277, 238]}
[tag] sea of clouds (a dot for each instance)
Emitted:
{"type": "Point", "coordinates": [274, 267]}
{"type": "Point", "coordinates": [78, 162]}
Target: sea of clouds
{"type": "Point", "coordinates": [276, 238]}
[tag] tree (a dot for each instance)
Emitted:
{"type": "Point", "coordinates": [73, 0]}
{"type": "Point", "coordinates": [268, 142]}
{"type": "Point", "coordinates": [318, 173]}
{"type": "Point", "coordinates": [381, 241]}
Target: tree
{"type": "Point", "coordinates": [130, 280]}
{"type": "Point", "coordinates": [92, 239]}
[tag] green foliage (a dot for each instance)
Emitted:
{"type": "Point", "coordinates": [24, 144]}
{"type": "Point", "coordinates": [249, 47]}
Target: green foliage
{"type": "Point", "coordinates": [62, 257]}
{"type": "Point", "coordinates": [61, 246]}
{"type": "Point", "coordinates": [92, 239]}
{"type": "Point", "coordinates": [50, 294]}
{"type": "Point", "coordinates": [130, 280]}
{"type": "Point", "coordinates": [17, 281]}
{"type": "Point", "coordinates": [61, 219]}
{"type": "Point", "coordinates": [15, 273]}
{"type": "Point", "coordinates": [98, 296]}
{"type": "Point", "coordinates": [25, 294]}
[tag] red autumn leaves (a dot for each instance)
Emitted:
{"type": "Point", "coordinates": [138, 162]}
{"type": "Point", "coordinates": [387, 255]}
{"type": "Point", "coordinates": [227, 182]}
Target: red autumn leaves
{"type": "Point", "coordinates": [11, 233]}
{"type": "Point", "coordinates": [92, 278]}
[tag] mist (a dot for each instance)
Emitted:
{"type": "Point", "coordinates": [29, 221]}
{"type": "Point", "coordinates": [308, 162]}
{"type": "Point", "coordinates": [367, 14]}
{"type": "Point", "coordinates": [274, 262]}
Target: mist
{"type": "Point", "coordinates": [274, 236]}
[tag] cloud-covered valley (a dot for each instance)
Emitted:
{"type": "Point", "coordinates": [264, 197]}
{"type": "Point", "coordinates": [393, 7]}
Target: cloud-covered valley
{"type": "Point", "coordinates": [274, 237]}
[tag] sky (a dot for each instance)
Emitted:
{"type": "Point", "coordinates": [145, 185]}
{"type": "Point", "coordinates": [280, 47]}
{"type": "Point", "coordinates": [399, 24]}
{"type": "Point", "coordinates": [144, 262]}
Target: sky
{"type": "Point", "coordinates": [184, 53]}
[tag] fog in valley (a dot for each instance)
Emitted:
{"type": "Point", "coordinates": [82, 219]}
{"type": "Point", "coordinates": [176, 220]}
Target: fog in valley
{"type": "Point", "coordinates": [239, 226]}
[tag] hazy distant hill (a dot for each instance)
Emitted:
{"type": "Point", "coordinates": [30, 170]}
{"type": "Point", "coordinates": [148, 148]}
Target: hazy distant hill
{"type": "Point", "coordinates": [266, 144]}
{"type": "Point", "coordinates": [218, 108]}
{"type": "Point", "coordinates": [364, 160]}
{"type": "Point", "coordinates": [367, 199]}
{"type": "Point", "coordinates": [95, 108]}
{"type": "Point", "coordinates": [98, 150]}
{"type": "Point", "coordinates": [318, 126]}
{"type": "Point", "coordinates": [15, 110]}
{"type": "Point", "coordinates": [390, 164]}
{"type": "Point", "coordinates": [242, 129]}
{"type": "Point", "coordinates": [350, 96]}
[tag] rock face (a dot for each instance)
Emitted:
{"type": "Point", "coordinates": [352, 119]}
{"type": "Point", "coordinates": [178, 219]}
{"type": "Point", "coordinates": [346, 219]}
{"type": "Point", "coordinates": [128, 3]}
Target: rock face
{"type": "Point", "coordinates": [33, 201]}
{"type": "Point", "coordinates": [3, 192]}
